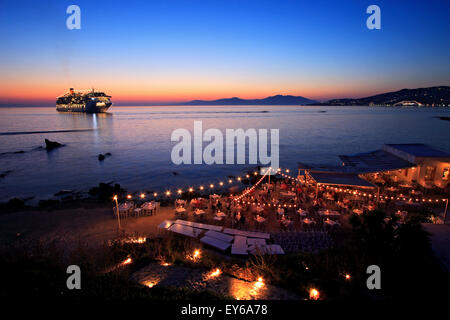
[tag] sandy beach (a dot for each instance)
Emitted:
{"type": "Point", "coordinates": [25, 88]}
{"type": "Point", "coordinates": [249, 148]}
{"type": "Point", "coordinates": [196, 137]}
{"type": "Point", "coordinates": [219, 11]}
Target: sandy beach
{"type": "Point", "coordinates": [70, 226]}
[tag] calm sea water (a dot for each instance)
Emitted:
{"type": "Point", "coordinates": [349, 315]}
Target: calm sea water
{"type": "Point", "coordinates": [139, 140]}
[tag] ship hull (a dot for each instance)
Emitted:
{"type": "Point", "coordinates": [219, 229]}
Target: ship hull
{"type": "Point", "coordinates": [90, 107]}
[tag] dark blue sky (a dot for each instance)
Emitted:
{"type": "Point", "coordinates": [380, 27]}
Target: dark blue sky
{"type": "Point", "coordinates": [180, 50]}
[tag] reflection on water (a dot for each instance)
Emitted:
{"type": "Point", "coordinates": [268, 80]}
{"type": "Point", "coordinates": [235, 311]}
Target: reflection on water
{"type": "Point", "coordinates": [138, 139]}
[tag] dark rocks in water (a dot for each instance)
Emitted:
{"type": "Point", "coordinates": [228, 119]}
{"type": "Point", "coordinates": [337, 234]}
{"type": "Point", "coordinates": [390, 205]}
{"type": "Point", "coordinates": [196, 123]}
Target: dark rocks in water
{"type": "Point", "coordinates": [50, 145]}
{"type": "Point", "coordinates": [102, 157]}
{"type": "Point", "coordinates": [444, 118]}
{"type": "Point", "coordinates": [63, 192]}
{"type": "Point", "coordinates": [105, 191]}
{"type": "Point", "coordinates": [4, 174]}
{"type": "Point", "coordinates": [50, 203]}
{"type": "Point", "coordinates": [12, 205]}
{"type": "Point", "coordinates": [11, 152]}
{"type": "Point", "coordinates": [322, 111]}
{"type": "Point", "coordinates": [175, 173]}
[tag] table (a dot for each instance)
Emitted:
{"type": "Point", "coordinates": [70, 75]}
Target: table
{"type": "Point", "coordinates": [330, 222]}
{"type": "Point", "coordinates": [308, 221]}
{"type": "Point", "coordinates": [329, 213]}
{"type": "Point", "coordinates": [180, 210]}
{"type": "Point", "coordinates": [199, 212]}
{"type": "Point", "coordinates": [287, 194]}
{"type": "Point", "coordinates": [148, 208]}
{"type": "Point", "coordinates": [260, 219]}
{"type": "Point", "coordinates": [301, 212]}
{"type": "Point", "coordinates": [259, 209]}
{"type": "Point", "coordinates": [358, 211]}
{"type": "Point", "coordinates": [125, 206]}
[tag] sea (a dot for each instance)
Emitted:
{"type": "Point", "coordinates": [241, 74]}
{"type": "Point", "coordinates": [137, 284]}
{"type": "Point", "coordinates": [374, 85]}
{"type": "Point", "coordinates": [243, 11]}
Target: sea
{"type": "Point", "coordinates": [139, 141]}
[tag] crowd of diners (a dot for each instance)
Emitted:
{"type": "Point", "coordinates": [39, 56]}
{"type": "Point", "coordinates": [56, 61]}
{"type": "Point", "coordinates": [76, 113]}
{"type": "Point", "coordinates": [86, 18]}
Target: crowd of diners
{"type": "Point", "coordinates": [282, 205]}
{"type": "Point", "coordinates": [290, 204]}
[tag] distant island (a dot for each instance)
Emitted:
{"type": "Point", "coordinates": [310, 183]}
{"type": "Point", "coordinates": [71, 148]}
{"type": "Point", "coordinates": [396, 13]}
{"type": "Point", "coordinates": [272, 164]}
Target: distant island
{"type": "Point", "coordinates": [432, 96]}
{"type": "Point", "coordinates": [273, 100]}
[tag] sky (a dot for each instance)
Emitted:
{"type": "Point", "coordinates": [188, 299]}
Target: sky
{"type": "Point", "coordinates": [143, 52]}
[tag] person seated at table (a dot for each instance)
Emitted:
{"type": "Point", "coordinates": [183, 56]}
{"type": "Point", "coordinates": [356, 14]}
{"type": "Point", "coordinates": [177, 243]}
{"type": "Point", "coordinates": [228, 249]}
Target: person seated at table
{"type": "Point", "coordinates": [242, 219]}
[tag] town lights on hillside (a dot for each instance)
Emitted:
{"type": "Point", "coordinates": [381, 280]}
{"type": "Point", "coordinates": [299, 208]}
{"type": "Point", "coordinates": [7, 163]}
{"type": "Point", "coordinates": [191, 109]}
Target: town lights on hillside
{"type": "Point", "coordinates": [129, 196]}
{"type": "Point", "coordinates": [142, 196]}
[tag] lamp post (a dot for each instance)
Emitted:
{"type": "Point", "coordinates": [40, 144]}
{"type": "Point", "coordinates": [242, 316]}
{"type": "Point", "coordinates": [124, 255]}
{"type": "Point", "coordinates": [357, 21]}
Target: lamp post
{"type": "Point", "coordinates": [117, 210]}
{"type": "Point", "coordinates": [446, 207]}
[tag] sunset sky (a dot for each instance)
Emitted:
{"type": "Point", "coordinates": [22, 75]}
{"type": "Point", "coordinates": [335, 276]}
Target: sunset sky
{"type": "Point", "coordinates": [168, 51]}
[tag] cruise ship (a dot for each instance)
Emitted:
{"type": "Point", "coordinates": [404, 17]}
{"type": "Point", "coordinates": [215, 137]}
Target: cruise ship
{"type": "Point", "coordinates": [89, 101]}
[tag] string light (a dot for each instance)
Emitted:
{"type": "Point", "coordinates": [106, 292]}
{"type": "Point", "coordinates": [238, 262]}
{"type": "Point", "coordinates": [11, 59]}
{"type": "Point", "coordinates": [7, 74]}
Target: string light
{"type": "Point", "coordinates": [279, 171]}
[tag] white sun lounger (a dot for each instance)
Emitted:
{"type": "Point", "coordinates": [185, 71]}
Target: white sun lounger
{"type": "Point", "coordinates": [216, 243]}
{"type": "Point", "coordinates": [239, 245]}
{"type": "Point", "coordinates": [165, 224]}
{"type": "Point", "coordinates": [185, 230]}
{"type": "Point", "coordinates": [248, 234]}
{"type": "Point", "coordinates": [219, 235]}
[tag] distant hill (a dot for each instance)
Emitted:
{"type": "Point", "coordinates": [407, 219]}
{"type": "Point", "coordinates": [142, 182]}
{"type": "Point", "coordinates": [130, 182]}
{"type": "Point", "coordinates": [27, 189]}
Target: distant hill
{"type": "Point", "coordinates": [421, 96]}
{"type": "Point", "coordinates": [273, 100]}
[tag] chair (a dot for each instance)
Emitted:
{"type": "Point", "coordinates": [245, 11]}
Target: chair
{"type": "Point", "coordinates": [137, 212]}
{"type": "Point", "coordinates": [156, 209]}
